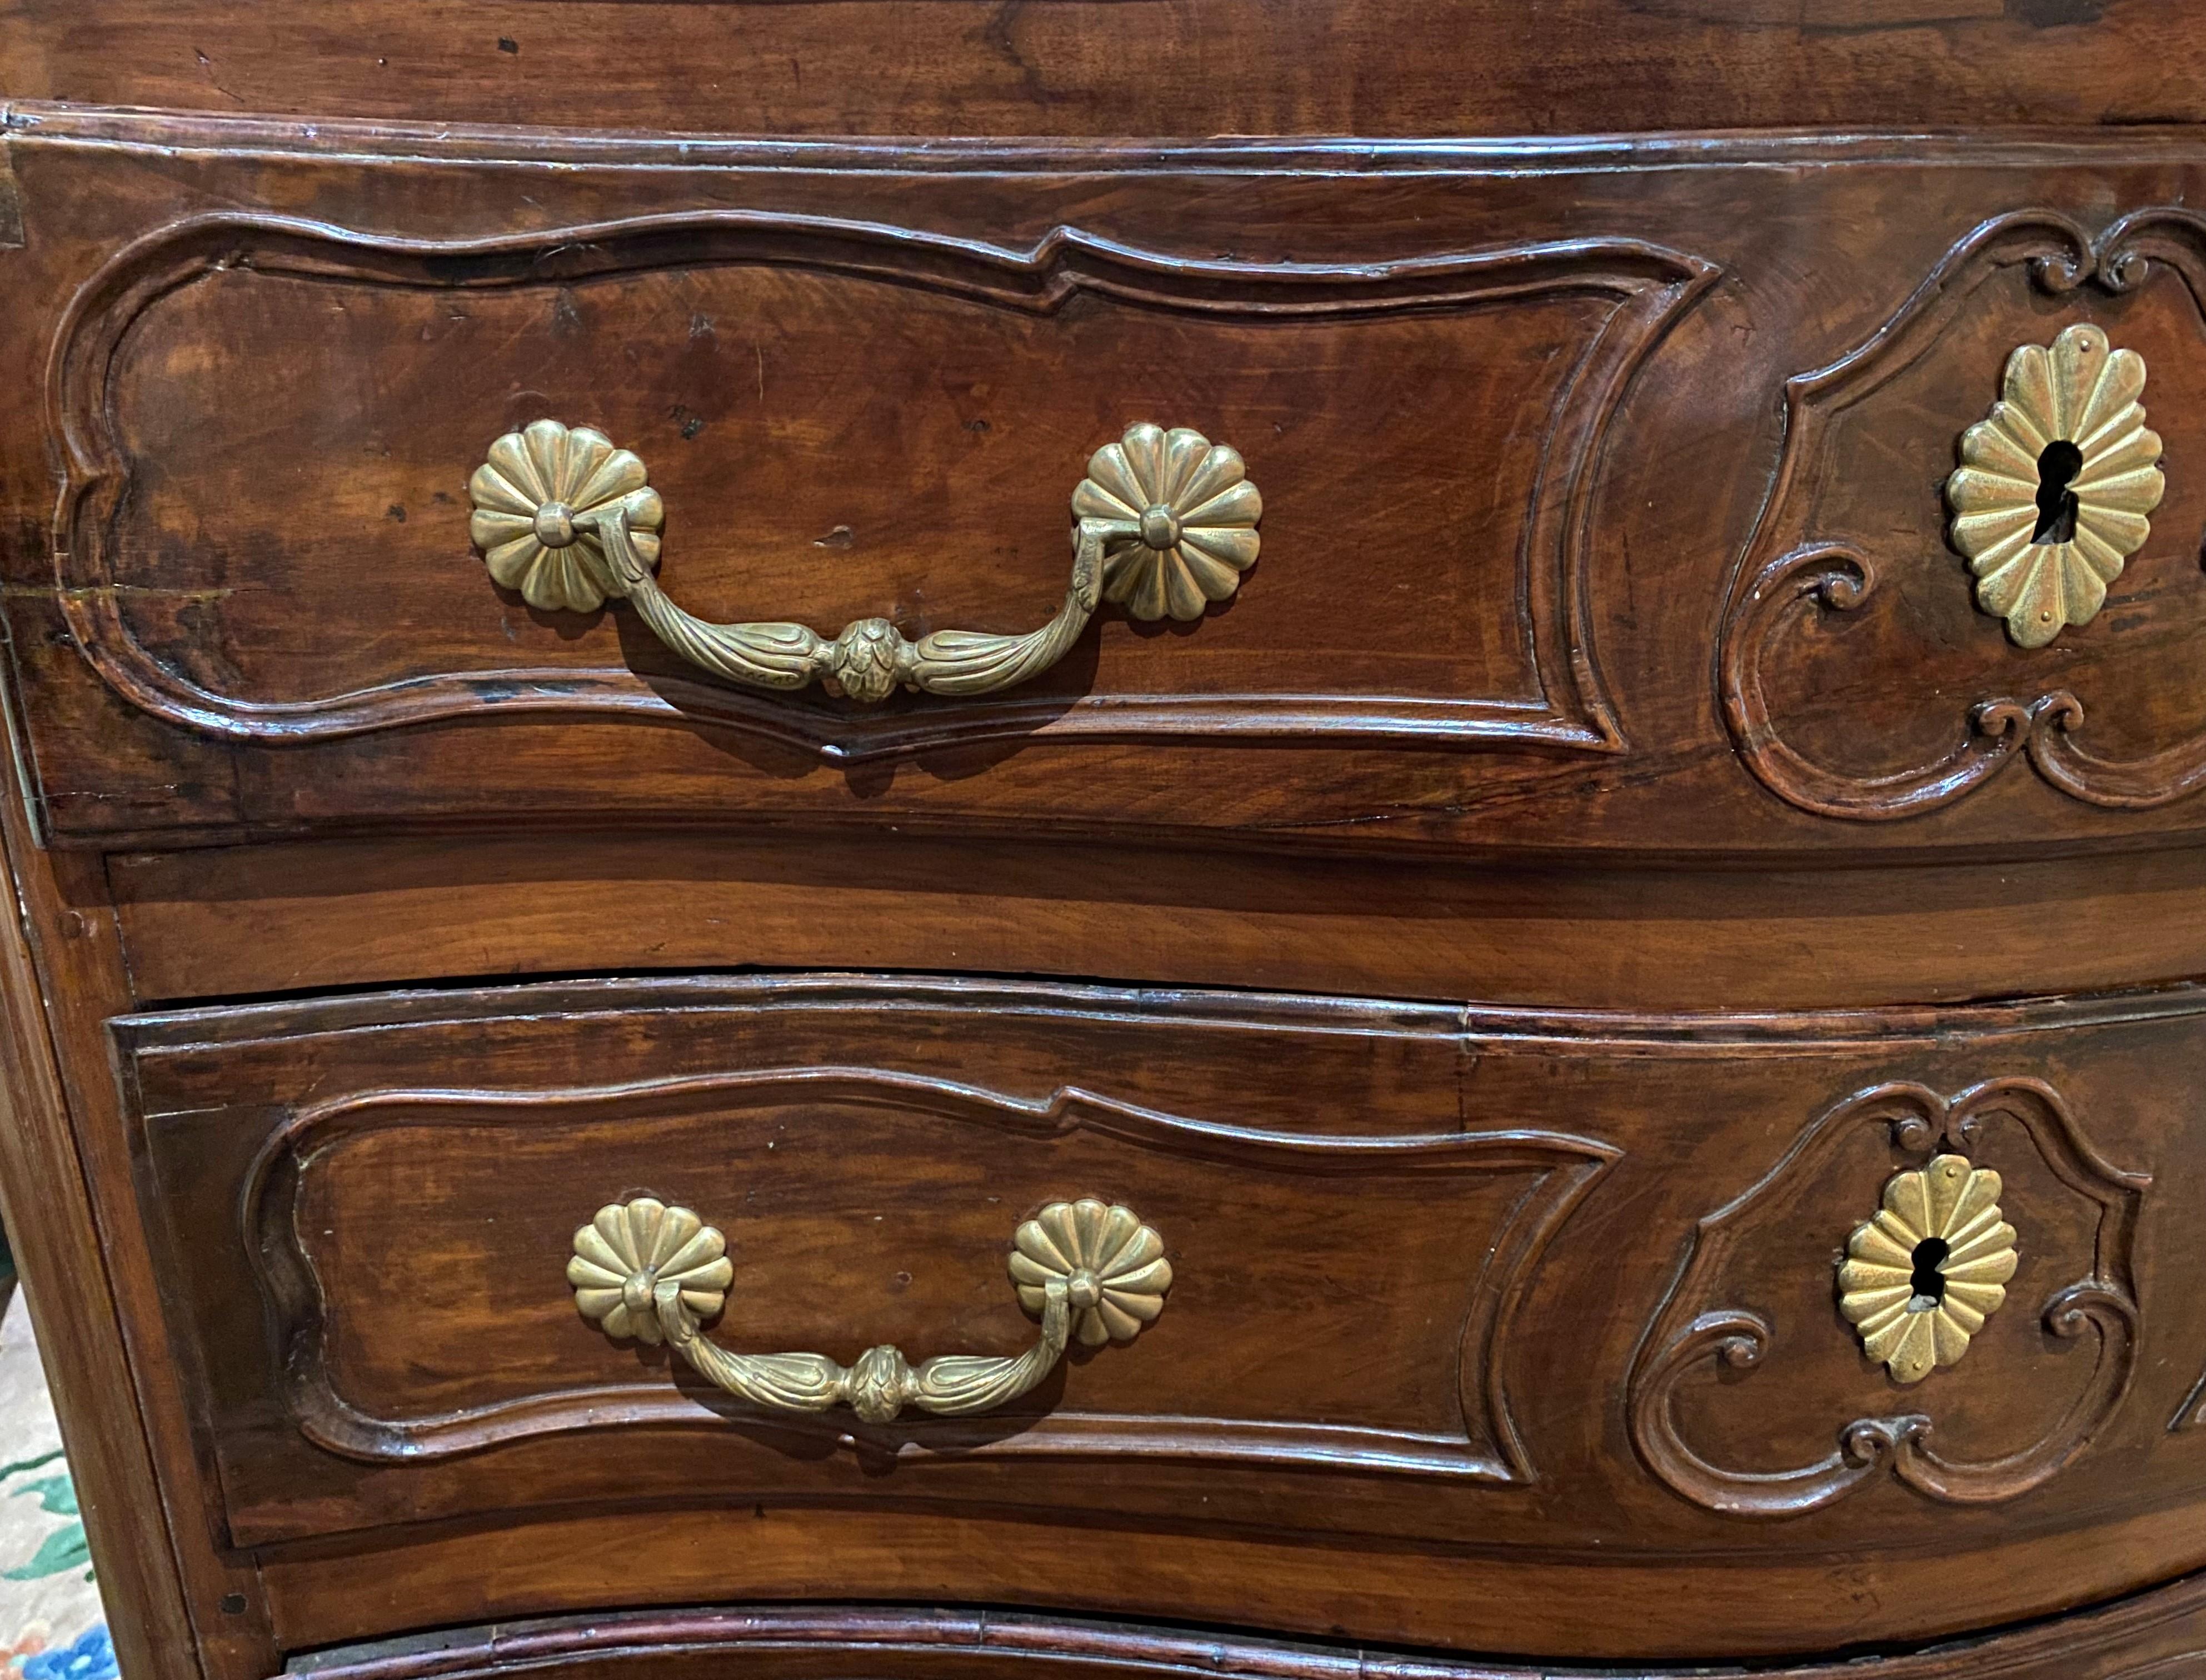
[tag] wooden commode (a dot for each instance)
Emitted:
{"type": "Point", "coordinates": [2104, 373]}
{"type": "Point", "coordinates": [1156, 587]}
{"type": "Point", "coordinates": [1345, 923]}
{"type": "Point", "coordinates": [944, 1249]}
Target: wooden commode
{"type": "Point", "coordinates": [1066, 840]}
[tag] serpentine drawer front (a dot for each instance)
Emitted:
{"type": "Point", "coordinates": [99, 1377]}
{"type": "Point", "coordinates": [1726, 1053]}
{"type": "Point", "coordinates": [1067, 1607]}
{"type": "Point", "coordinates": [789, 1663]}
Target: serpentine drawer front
{"type": "Point", "coordinates": [1272, 1263]}
{"type": "Point", "coordinates": [1216, 492]}
{"type": "Point", "coordinates": [940, 840]}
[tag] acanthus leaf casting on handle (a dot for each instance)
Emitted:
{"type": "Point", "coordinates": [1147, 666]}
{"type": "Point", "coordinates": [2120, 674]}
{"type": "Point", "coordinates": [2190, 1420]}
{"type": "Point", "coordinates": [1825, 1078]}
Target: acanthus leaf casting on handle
{"type": "Point", "coordinates": [1165, 523]}
{"type": "Point", "coordinates": [641, 1268]}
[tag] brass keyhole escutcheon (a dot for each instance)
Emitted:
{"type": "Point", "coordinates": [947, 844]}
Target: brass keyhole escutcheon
{"type": "Point", "coordinates": [2054, 484]}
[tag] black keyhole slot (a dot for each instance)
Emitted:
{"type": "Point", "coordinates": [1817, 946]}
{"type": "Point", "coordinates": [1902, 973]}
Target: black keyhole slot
{"type": "Point", "coordinates": [2056, 503]}
{"type": "Point", "coordinates": [1929, 1282]}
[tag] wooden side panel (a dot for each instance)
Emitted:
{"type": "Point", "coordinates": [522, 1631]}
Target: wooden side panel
{"type": "Point", "coordinates": [51, 1230]}
{"type": "Point", "coordinates": [180, 1605]}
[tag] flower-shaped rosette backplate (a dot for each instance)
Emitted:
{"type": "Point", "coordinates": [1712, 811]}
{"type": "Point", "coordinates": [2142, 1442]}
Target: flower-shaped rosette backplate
{"type": "Point", "coordinates": [1113, 1265]}
{"type": "Point", "coordinates": [623, 1256]}
{"type": "Point", "coordinates": [1940, 1226]}
{"type": "Point", "coordinates": [2069, 418]}
{"type": "Point", "coordinates": [1196, 511]}
{"type": "Point", "coordinates": [533, 498]}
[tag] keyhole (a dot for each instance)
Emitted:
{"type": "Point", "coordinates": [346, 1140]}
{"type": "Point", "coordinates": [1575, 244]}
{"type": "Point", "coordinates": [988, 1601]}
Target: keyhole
{"type": "Point", "coordinates": [2056, 503]}
{"type": "Point", "coordinates": [1929, 1282]}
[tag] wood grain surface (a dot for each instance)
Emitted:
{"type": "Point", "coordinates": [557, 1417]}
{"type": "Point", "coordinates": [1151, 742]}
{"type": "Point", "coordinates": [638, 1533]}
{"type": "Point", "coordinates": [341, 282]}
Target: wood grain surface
{"type": "Point", "coordinates": [247, 921]}
{"type": "Point", "coordinates": [493, 1572]}
{"type": "Point", "coordinates": [1195, 68]}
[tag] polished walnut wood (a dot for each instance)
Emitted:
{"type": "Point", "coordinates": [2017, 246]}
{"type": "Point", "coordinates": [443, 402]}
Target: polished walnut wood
{"type": "Point", "coordinates": [1606, 847]}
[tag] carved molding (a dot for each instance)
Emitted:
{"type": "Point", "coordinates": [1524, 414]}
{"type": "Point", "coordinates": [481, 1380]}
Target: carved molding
{"type": "Point", "coordinates": [11, 201]}
{"type": "Point", "coordinates": [1651, 286]}
{"type": "Point", "coordinates": [1790, 572]}
{"type": "Point", "coordinates": [1695, 1330]}
{"type": "Point", "coordinates": [1489, 1448]}
{"type": "Point", "coordinates": [2191, 1414]}
{"type": "Point", "coordinates": [782, 1642]}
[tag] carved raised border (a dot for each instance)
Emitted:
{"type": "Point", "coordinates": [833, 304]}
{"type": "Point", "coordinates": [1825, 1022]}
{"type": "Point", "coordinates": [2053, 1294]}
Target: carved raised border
{"type": "Point", "coordinates": [1788, 571]}
{"type": "Point", "coordinates": [2191, 1413]}
{"type": "Point", "coordinates": [1692, 1330]}
{"type": "Point", "coordinates": [1652, 286]}
{"type": "Point", "coordinates": [1490, 1448]}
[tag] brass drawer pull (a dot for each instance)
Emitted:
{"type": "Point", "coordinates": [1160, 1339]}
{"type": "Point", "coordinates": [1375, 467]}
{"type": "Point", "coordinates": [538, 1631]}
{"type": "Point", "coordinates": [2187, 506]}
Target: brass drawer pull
{"type": "Point", "coordinates": [1087, 1270]}
{"type": "Point", "coordinates": [1165, 524]}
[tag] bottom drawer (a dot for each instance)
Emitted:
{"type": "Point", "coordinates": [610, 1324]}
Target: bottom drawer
{"type": "Point", "coordinates": [1449, 1318]}
{"type": "Point", "coordinates": [2158, 1636]}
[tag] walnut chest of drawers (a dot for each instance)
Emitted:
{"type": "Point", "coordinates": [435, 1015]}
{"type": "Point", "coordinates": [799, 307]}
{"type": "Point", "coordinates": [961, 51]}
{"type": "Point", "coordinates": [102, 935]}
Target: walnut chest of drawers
{"type": "Point", "coordinates": [935, 840]}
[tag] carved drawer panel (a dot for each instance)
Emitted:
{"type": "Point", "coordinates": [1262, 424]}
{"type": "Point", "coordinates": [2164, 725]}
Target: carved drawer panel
{"type": "Point", "coordinates": [934, 403]}
{"type": "Point", "coordinates": [862, 456]}
{"type": "Point", "coordinates": [1370, 1289]}
{"type": "Point", "coordinates": [2066, 332]}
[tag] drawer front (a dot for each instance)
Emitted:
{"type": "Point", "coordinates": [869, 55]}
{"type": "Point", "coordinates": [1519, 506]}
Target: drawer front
{"type": "Point", "coordinates": [1445, 1314]}
{"type": "Point", "coordinates": [1610, 514]}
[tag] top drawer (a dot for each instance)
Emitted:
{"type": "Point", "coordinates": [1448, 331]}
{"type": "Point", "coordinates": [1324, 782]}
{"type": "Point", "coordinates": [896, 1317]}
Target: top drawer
{"type": "Point", "coordinates": [1607, 514]}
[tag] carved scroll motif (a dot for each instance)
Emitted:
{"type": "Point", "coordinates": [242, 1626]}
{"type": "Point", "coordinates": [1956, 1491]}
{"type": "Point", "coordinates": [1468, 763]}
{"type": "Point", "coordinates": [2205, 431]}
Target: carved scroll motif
{"type": "Point", "coordinates": [1697, 1329]}
{"type": "Point", "coordinates": [1790, 575]}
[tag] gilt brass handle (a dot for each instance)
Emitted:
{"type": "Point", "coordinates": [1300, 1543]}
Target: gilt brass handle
{"type": "Point", "coordinates": [655, 1272]}
{"type": "Point", "coordinates": [1165, 523]}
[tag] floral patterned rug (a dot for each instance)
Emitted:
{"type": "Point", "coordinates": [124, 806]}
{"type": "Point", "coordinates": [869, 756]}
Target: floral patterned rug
{"type": "Point", "coordinates": [51, 1624]}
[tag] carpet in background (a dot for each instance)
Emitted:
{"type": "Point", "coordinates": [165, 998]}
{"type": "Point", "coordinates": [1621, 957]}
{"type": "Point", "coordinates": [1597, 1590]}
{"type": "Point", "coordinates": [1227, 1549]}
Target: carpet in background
{"type": "Point", "coordinates": [51, 1624]}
